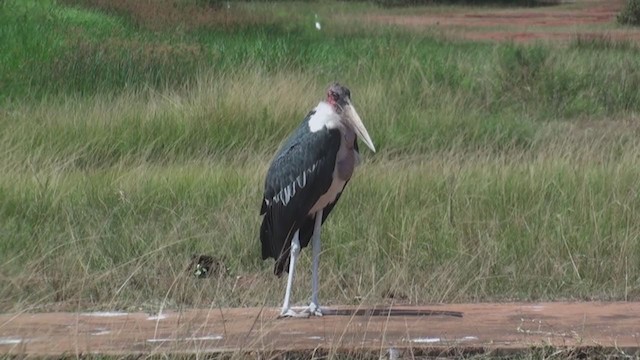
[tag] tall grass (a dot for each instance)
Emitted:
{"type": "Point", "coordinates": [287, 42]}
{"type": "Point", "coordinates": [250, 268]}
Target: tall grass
{"type": "Point", "coordinates": [504, 172]}
{"type": "Point", "coordinates": [471, 232]}
{"type": "Point", "coordinates": [539, 81]}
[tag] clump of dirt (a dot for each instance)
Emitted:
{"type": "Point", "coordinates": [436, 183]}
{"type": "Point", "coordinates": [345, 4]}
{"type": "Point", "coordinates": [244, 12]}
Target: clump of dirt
{"type": "Point", "coordinates": [204, 266]}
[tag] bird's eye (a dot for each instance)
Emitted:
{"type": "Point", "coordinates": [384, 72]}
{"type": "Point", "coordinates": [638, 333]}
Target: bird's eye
{"type": "Point", "coordinates": [334, 96]}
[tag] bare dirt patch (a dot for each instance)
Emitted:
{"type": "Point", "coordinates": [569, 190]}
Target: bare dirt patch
{"type": "Point", "coordinates": [594, 18]}
{"type": "Point", "coordinates": [406, 331]}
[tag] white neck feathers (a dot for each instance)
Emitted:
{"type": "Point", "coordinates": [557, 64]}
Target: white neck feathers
{"type": "Point", "coordinates": [324, 116]}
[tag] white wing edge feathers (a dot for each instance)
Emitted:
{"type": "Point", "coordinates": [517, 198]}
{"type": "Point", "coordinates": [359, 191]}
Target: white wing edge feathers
{"type": "Point", "coordinates": [288, 192]}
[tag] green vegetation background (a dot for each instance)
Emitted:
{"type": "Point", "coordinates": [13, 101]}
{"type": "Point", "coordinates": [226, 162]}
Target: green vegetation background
{"type": "Point", "coordinates": [135, 134]}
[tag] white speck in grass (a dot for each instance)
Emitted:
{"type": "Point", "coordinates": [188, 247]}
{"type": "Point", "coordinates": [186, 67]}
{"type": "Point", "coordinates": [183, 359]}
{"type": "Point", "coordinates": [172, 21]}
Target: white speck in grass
{"type": "Point", "coordinates": [204, 338]}
{"type": "Point", "coordinates": [10, 340]}
{"type": "Point", "coordinates": [105, 314]}
{"type": "Point", "coordinates": [315, 337]}
{"type": "Point", "coordinates": [199, 338]}
{"type": "Point", "coordinates": [157, 317]}
{"type": "Point", "coordinates": [469, 338]}
{"type": "Point", "coordinates": [161, 340]}
{"type": "Point", "coordinates": [292, 332]}
{"type": "Point", "coordinates": [426, 340]}
{"type": "Point", "coordinates": [101, 331]}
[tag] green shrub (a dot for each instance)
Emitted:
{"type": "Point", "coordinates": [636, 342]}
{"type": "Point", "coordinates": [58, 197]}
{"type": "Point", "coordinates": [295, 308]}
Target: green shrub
{"type": "Point", "coordinates": [630, 15]}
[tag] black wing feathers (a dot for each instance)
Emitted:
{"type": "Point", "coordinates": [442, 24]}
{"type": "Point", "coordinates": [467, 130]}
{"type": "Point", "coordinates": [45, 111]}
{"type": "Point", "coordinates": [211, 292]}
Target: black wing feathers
{"type": "Point", "coordinates": [300, 173]}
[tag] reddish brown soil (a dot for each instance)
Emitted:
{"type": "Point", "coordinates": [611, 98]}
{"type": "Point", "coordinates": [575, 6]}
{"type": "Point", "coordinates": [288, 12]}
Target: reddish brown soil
{"type": "Point", "coordinates": [493, 328]}
{"type": "Point", "coordinates": [587, 19]}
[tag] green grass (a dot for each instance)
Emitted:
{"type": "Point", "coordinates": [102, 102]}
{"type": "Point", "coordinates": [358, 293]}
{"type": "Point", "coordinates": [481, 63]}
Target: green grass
{"type": "Point", "coordinates": [504, 172]}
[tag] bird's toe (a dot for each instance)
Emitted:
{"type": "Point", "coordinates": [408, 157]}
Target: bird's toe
{"type": "Point", "coordinates": [287, 313]}
{"type": "Point", "coordinates": [314, 310]}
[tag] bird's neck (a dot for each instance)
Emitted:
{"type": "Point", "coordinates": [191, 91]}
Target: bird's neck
{"type": "Point", "coordinates": [325, 116]}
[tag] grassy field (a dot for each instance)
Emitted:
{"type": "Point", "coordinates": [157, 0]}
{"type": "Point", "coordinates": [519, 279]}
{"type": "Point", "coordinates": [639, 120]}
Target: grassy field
{"type": "Point", "coordinates": [133, 136]}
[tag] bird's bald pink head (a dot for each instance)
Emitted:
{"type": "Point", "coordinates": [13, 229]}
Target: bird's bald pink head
{"type": "Point", "coordinates": [338, 96]}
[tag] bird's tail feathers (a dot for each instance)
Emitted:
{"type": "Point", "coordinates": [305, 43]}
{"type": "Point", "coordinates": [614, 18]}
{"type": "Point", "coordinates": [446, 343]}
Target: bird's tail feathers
{"type": "Point", "coordinates": [275, 243]}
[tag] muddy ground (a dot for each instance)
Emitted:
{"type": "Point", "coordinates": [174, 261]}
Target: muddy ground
{"type": "Point", "coordinates": [590, 19]}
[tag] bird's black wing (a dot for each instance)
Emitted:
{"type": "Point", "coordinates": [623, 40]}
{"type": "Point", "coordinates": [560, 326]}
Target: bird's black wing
{"type": "Point", "coordinates": [300, 173]}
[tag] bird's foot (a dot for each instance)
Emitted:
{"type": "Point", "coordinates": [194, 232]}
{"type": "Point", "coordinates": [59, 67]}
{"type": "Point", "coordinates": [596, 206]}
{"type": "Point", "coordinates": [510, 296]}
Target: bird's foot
{"type": "Point", "coordinates": [313, 309]}
{"type": "Point", "coordinates": [288, 313]}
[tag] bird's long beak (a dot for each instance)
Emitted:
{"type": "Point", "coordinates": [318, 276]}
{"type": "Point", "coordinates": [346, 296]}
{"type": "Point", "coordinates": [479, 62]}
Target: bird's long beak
{"type": "Point", "coordinates": [358, 126]}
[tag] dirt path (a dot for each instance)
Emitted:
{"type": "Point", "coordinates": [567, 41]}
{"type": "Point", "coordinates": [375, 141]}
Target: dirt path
{"type": "Point", "coordinates": [436, 329]}
{"type": "Point", "coordinates": [567, 21]}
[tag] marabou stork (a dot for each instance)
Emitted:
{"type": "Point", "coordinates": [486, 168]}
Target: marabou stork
{"type": "Point", "coordinates": [303, 184]}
